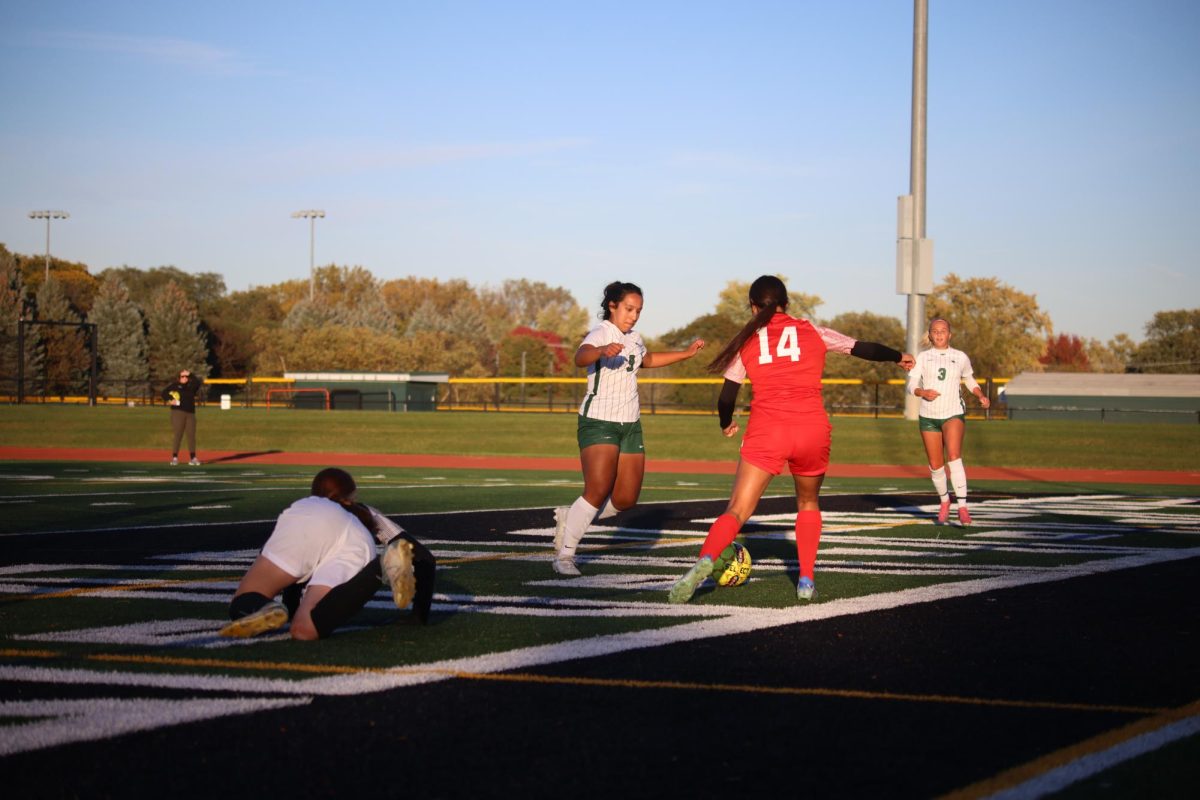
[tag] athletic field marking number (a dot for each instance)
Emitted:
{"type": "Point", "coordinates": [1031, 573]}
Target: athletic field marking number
{"type": "Point", "coordinates": [787, 347]}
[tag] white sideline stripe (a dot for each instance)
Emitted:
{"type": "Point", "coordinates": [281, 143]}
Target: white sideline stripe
{"type": "Point", "coordinates": [1058, 779]}
{"type": "Point", "coordinates": [66, 721]}
{"type": "Point", "coordinates": [757, 619]}
{"type": "Point", "coordinates": [749, 620]}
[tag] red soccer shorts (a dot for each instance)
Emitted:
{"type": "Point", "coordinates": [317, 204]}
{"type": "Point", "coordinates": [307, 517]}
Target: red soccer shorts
{"type": "Point", "coordinates": [802, 445]}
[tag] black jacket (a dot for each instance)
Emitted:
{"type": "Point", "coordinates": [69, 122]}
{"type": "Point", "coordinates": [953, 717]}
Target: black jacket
{"type": "Point", "coordinates": [186, 394]}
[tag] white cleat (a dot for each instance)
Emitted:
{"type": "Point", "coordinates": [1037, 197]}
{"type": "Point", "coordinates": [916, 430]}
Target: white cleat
{"type": "Point", "coordinates": [566, 566]}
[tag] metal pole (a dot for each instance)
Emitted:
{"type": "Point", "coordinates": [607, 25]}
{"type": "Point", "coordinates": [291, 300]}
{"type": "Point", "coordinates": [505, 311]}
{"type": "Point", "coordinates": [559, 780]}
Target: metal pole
{"type": "Point", "coordinates": [20, 361]}
{"type": "Point", "coordinates": [312, 245]}
{"type": "Point", "coordinates": [916, 302]}
{"type": "Point", "coordinates": [47, 247]}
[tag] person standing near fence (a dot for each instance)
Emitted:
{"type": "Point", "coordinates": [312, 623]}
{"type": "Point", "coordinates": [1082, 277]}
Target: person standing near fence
{"type": "Point", "coordinates": [937, 378]}
{"type": "Point", "coordinates": [611, 448]}
{"type": "Point", "coordinates": [784, 358]}
{"type": "Point", "coordinates": [181, 397]}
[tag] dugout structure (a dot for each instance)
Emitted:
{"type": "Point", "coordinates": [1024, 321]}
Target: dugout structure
{"type": "Point", "coordinates": [371, 391]}
{"type": "Point", "coordinates": [1101, 397]}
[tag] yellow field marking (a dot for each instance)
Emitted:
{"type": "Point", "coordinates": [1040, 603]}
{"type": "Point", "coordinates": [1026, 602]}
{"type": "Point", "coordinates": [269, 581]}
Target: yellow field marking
{"type": "Point", "coordinates": [1040, 766]}
{"type": "Point", "coordinates": [132, 587]}
{"type": "Point", "coordinates": [615, 683]}
{"type": "Point", "coordinates": [11, 653]}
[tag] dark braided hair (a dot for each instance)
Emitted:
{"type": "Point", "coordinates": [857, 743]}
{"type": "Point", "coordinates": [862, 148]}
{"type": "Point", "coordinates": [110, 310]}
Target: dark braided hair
{"type": "Point", "coordinates": [767, 293]}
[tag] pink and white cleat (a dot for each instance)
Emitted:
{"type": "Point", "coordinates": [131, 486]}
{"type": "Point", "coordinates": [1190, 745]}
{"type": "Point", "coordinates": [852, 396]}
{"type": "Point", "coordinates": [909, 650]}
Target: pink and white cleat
{"type": "Point", "coordinates": [943, 512]}
{"type": "Point", "coordinates": [964, 518]}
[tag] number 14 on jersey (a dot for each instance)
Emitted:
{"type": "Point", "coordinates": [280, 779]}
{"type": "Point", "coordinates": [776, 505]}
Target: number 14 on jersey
{"type": "Point", "coordinates": [787, 347]}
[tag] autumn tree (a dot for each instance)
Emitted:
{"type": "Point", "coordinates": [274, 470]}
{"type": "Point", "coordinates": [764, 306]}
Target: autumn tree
{"type": "Point", "coordinates": [1001, 329]}
{"type": "Point", "coordinates": [175, 340]}
{"type": "Point", "coordinates": [1172, 343]}
{"type": "Point", "coordinates": [121, 338]}
{"type": "Point", "coordinates": [405, 295]}
{"type": "Point", "coordinates": [1113, 356]}
{"type": "Point", "coordinates": [538, 305]}
{"type": "Point", "coordinates": [65, 347]}
{"type": "Point", "coordinates": [1065, 353]}
{"type": "Point", "coordinates": [233, 323]}
{"type": "Point", "coordinates": [715, 330]}
{"type": "Point", "coordinates": [734, 302]}
{"type": "Point", "coordinates": [14, 306]}
{"type": "Point", "coordinates": [76, 284]}
{"type": "Point", "coordinates": [347, 297]}
{"type": "Point", "coordinates": [204, 290]}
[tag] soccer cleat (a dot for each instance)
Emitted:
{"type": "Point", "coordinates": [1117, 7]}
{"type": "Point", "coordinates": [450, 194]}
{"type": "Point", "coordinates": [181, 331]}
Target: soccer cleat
{"type": "Point", "coordinates": [805, 590]}
{"type": "Point", "coordinates": [270, 617]}
{"type": "Point", "coordinates": [566, 566]}
{"type": "Point", "coordinates": [174, 461]}
{"type": "Point", "coordinates": [560, 526]}
{"type": "Point", "coordinates": [964, 517]}
{"type": "Point", "coordinates": [686, 586]}
{"type": "Point", "coordinates": [195, 462]}
{"type": "Point", "coordinates": [943, 512]}
{"type": "Point", "coordinates": [397, 563]}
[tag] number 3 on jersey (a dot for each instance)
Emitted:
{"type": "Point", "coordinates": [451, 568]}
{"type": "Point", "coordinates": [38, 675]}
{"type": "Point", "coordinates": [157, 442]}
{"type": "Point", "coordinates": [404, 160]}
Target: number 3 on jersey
{"type": "Point", "coordinates": [787, 347]}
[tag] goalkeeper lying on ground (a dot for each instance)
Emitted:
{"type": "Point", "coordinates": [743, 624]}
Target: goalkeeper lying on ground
{"type": "Point", "coordinates": [322, 559]}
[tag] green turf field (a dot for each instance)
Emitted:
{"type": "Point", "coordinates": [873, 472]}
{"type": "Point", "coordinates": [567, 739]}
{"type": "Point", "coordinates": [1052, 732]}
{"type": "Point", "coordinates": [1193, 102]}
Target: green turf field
{"type": "Point", "coordinates": [1078, 445]}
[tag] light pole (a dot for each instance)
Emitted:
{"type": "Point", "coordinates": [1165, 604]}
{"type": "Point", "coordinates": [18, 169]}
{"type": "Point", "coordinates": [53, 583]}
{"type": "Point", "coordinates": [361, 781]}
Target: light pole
{"type": "Point", "coordinates": [914, 252]}
{"type": "Point", "coordinates": [311, 215]}
{"type": "Point", "coordinates": [48, 215]}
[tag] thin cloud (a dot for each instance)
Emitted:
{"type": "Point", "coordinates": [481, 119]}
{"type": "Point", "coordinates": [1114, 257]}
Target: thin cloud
{"type": "Point", "coordinates": [193, 56]}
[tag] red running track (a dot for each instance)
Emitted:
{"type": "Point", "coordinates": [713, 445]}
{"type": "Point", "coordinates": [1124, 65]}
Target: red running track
{"type": "Point", "coordinates": [1033, 474]}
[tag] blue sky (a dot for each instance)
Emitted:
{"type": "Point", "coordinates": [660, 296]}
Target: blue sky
{"type": "Point", "coordinates": [678, 145]}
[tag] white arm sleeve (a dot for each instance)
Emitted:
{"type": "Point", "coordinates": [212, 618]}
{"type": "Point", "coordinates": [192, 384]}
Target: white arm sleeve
{"type": "Point", "coordinates": [837, 342]}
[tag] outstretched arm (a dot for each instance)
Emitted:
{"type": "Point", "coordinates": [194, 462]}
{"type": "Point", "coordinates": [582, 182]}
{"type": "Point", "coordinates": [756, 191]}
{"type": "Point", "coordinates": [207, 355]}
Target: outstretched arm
{"type": "Point", "coordinates": [873, 351]}
{"type": "Point", "coordinates": [664, 359]}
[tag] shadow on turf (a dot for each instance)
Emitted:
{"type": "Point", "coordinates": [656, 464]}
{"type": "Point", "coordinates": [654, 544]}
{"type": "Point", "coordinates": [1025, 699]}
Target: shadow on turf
{"type": "Point", "coordinates": [241, 456]}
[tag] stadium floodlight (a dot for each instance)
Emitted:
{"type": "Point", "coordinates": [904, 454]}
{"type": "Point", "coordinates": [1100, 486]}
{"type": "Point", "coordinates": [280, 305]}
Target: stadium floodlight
{"type": "Point", "coordinates": [311, 215]}
{"type": "Point", "coordinates": [48, 215]}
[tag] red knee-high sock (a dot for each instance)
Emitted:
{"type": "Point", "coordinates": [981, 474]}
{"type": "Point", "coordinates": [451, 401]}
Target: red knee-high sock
{"type": "Point", "coordinates": [808, 536]}
{"type": "Point", "coordinates": [723, 531]}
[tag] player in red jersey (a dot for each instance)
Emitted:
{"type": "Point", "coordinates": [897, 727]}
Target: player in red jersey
{"type": "Point", "coordinates": [784, 358]}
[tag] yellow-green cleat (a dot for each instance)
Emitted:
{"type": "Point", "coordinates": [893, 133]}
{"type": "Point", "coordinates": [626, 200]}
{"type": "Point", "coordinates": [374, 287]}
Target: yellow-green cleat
{"type": "Point", "coordinates": [686, 586]}
{"type": "Point", "coordinates": [805, 589]}
{"type": "Point", "coordinates": [270, 617]}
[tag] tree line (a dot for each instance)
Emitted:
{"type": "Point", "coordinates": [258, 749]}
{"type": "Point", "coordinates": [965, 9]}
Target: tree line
{"type": "Point", "coordinates": [152, 322]}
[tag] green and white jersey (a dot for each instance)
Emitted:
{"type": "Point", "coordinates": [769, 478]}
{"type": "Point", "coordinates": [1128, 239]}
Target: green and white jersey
{"type": "Point", "coordinates": [943, 371]}
{"type": "Point", "coordinates": [612, 388]}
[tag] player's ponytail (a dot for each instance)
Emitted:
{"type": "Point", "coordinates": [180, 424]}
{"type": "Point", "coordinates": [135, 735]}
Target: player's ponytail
{"type": "Point", "coordinates": [769, 295]}
{"type": "Point", "coordinates": [614, 293]}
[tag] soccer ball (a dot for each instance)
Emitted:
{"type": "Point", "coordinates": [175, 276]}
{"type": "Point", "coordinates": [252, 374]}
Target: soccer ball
{"type": "Point", "coordinates": [733, 566]}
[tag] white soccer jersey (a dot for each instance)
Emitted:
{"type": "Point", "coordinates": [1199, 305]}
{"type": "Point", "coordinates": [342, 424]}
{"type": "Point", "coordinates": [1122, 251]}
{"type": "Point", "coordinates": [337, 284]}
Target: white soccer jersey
{"type": "Point", "coordinates": [943, 371]}
{"type": "Point", "coordinates": [318, 541]}
{"type": "Point", "coordinates": [612, 388]}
